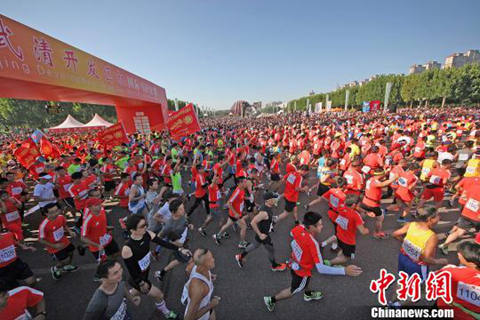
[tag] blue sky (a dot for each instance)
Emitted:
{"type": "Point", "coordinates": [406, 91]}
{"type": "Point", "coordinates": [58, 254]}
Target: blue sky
{"type": "Point", "coordinates": [214, 52]}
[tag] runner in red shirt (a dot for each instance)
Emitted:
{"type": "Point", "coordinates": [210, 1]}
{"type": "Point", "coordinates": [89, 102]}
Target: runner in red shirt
{"type": "Point", "coordinates": [18, 190]}
{"type": "Point", "coordinates": [95, 232]}
{"type": "Point", "coordinates": [347, 221]}
{"type": "Point", "coordinates": [465, 282]}
{"type": "Point", "coordinates": [275, 173]}
{"type": "Point", "coordinates": [108, 170]}
{"type": "Point", "coordinates": [51, 233]}
{"type": "Point", "coordinates": [305, 256]}
{"type": "Point", "coordinates": [354, 179]}
{"type": "Point", "coordinates": [200, 191]}
{"type": "Point", "coordinates": [293, 186]}
{"type": "Point", "coordinates": [214, 197]}
{"type": "Point", "coordinates": [63, 183]}
{"type": "Point", "coordinates": [435, 188]}
{"type": "Point", "coordinates": [405, 191]}
{"type": "Point", "coordinates": [235, 214]}
{"type": "Point", "coordinates": [122, 190]}
{"type": "Point", "coordinates": [10, 215]}
{"type": "Point", "coordinates": [14, 304]}
{"type": "Point", "coordinates": [12, 268]}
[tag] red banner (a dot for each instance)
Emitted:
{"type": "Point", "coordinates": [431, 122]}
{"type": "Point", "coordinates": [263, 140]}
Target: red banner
{"type": "Point", "coordinates": [183, 122]}
{"type": "Point", "coordinates": [48, 149]}
{"type": "Point", "coordinates": [27, 153]}
{"type": "Point", "coordinates": [375, 105]}
{"type": "Point", "coordinates": [114, 135]}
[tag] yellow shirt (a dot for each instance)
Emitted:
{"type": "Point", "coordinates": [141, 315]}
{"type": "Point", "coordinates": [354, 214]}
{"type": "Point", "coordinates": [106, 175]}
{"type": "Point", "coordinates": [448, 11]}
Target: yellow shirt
{"type": "Point", "coordinates": [473, 168]}
{"type": "Point", "coordinates": [415, 241]}
{"type": "Point", "coordinates": [426, 168]}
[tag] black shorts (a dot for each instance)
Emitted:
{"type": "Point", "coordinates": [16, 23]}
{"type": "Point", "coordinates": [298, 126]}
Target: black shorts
{"type": "Point", "coordinates": [136, 286]}
{"type": "Point", "coordinates": [322, 189]}
{"type": "Point", "coordinates": [249, 206]}
{"type": "Point", "coordinates": [181, 257]}
{"type": "Point", "coordinates": [275, 177]}
{"type": "Point", "coordinates": [109, 185]}
{"type": "Point", "coordinates": [266, 242]}
{"type": "Point", "coordinates": [289, 206]}
{"type": "Point", "coordinates": [466, 224]}
{"type": "Point", "coordinates": [110, 249]}
{"type": "Point", "coordinates": [376, 210]}
{"type": "Point", "coordinates": [67, 203]}
{"type": "Point", "coordinates": [298, 283]}
{"type": "Point", "coordinates": [347, 249]}
{"type": "Point", "coordinates": [14, 272]}
{"type": "Point", "coordinates": [64, 253]}
{"type": "Point", "coordinates": [233, 218]}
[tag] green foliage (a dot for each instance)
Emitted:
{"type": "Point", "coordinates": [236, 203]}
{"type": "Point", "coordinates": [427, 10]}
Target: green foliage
{"type": "Point", "coordinates": [171, 104]}
{"type": "Point", "coordinates": [32, 114]}
{"type": "Point", "coordinates": [458, 85]}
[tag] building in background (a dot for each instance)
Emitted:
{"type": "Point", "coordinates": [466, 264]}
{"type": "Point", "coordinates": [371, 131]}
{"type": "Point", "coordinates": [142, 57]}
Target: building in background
{"type": "Point", "coordinates": [459, 59]}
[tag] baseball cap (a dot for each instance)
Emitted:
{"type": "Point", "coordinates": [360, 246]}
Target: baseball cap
{"type": "Point", "coordinates": [269, 195]}
{"type": "Point", "coordinates": [45, 176]}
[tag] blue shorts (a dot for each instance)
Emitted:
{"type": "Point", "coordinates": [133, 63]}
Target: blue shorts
{"type": "Point", "coordinates": [406, 265]}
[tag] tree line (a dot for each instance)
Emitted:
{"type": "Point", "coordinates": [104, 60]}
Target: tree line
{"type": "Point", "coordinates": [32, 113]}
{"type": "Point", "coordinates": [431, 87]}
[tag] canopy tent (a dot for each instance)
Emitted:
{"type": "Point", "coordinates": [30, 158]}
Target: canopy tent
{"type": "Point", "coordinates": [70, 124]}
{"type": "Point", "coordinates": [98, 122]}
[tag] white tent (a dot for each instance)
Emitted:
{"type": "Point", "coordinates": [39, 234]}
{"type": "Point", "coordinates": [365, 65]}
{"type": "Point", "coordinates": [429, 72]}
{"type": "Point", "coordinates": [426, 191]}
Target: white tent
{"type": "Point", "coordinates": [70, 123]}
{"type": "Point", "coordinates": [98, 121]}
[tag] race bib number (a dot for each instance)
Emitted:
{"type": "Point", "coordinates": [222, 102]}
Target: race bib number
{"type": "Point", "coordinates": [342, 163]}
{"type": "Point", "coordinates": [7, 254]}
{"type": "Point", "coordinates": [334, 201]}
{"type": "Point", "coordinates": [342, 222]}
{"type": "Point", "coordinates": [12, 216]}
{"type": "Point", "coordinates": [469, 293]}
{"type": "Point", "coordinates": [402, 182]}
{"type": "Point", "coordinates": [291, 178]}
{"type": "Point", "coordinates": [17, 190]}
{"type": "Point", "coordinates": [105, 239]}
{"type": "Point", "coordinates": [435, 180]}
{"type": "Point", "coordinates": [463, 157]}
{"type": "Point", "coordinates": [349, 179]}
{"type": "Point", "coordinates": [121, 311]}
{"type": "Point", "coordinates": [242, 205]}
{"type": "Point", "coordinates": [470, 170]}
{"type": "Point", "coordinates": [366, 169]}
{"type": "Point", "coordinates": [425, 171]}
{"type": "Point", "coordinates": [296, 250]}
{"type": "Point", "coordinates": [58, 234]}
{"type": "Point", "coordinates": [144, 263]}
{"type": "Point", "coordinates": [411, 250]}
{"type": "Point", "coordinates": [67, 187]}
{"type": "Point", "coordinates": [418, 149]}
{"type": "Point", "coordinates": [472, 205]}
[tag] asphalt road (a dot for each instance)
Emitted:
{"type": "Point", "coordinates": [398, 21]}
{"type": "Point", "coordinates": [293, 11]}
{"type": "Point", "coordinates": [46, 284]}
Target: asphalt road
{"type": "Point", "coordinates": [241, 290]}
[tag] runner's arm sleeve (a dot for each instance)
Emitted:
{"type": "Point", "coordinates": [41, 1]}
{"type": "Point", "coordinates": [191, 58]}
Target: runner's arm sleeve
{"type": "Point", "coordinates": [133, 269]}
{"type": "Point", "coordinates": [165, 244]}
{"type": "Point", "coordinates": [323, 269]}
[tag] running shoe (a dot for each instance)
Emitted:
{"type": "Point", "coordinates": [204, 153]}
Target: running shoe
{"type": "Point", "coordinates": [281, 267]}
{"type": "Point", "coordinates": [76, 229]}
{"type": "Point", "coordinates": [70, 268]}
{"type": "Point", "coordinates": [81, 250]}
{"type": "Point", "coordinates": [238, 258]}
{"type": "Point", "coordinates": [121, 221]}
{"type": "Point", "coordinates": [443, 250]}
{"type": "Point", "coordinates": [306, 207]}
{"type": "Point", "coordinates": [202, 231]}
{"type": "Point", "coordinates": [242, 244]}
{"type": "Point", "coordinates": [56, 274]}
{"type": "Point", "coordinates": [171, 315]}
{"type": "Point", "coordinates": [235, 227]}
{"type": "Point", "coordinates": [314, 295]}
{"type": "Point", "coordinates": [216, 238]}
{"type": "Point", "coordinates": [225, 235]}
{"type": "Point", "coordinates": [402, 220]}
{"type": "Point", "coordinates": [268, 302]}
{"type": "Point", "coordinates": [159, 275]}
{"type": "Point", "coordinates": [379, 235]}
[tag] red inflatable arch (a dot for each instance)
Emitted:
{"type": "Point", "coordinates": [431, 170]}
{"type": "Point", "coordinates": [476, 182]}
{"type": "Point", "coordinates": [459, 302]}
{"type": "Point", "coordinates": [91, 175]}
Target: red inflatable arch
{"type": "Point", "coordinates": [36, 66]}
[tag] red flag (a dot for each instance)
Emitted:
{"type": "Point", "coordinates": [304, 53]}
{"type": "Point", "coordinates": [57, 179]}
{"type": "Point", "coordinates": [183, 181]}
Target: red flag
{"type": "Point", "coordinates": [183, 122]}
{"type": "Point", "coordinates": [114, 135]}
{"type": "Point", "coordinates": [27, 153]}
{"type": "Point", "coordinates": [48, 149]}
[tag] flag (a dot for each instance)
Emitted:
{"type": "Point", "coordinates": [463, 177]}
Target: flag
{"type": "Point", "coordinates": [37, 135]}
{"type": "Point", "coordinates": [27, 153]}
{"type": "Point", "coordinates": [113, 135]}
{"type": "Point", "coordinates": [183, 122]}
{"type": "Point", "coordinates": [48, 149]}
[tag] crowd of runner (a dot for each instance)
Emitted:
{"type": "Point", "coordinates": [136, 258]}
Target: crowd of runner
{"type": "Point", "coordinates": [233, 173]}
